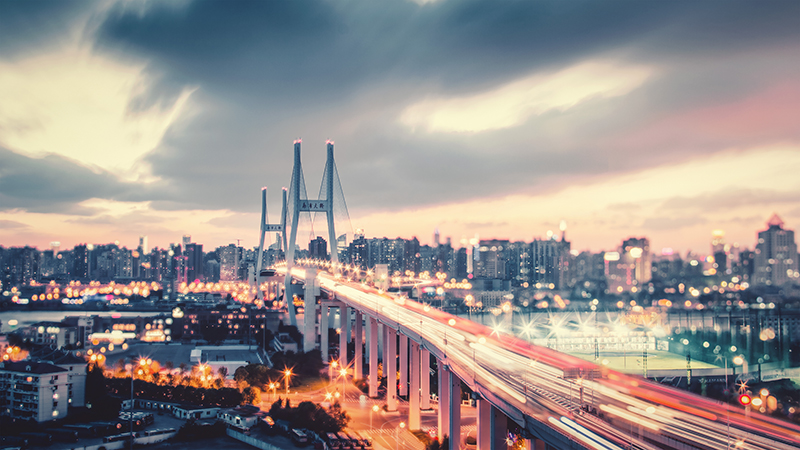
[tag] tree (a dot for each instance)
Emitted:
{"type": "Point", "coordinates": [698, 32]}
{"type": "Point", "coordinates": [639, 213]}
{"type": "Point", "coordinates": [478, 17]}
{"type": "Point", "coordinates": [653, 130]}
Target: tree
{"type": "Point", "coordinates": [241, 377]}
{"type": "Point", "coordinates": [102, 404]}
{"type": "Point", "coordinates": [251, 395]}
{"type": "Point", "coordinates": [223, 372]}
{"type": "Point", "coordinates": [339, 416]}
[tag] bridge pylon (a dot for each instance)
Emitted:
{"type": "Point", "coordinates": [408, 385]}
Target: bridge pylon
{"type": "Point", "coordinates": [264, 228]}
{"type": "Point", "coordinates": [297, 204]}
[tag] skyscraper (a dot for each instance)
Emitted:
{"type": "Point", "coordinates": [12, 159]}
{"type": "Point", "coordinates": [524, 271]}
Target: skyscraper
{"type": "Point", "coordinates": [720, 252]}
{"type": "Point", "coordinates": [492, 259]}
{"type": "Point", "coordinates": [194, 261]}
{"type": "Point", "coordinates": [630, 268]}
{"type": "Point", "coordinates": [318, 248]}
{"type": "Point", "coordinates": [776, 255]}
{"type": "Point", "coordinates": [549, 263]}
{"type": "Point", "coordinates": [228, 262]}
{"type": "Point", "coordinates": [143, 248]}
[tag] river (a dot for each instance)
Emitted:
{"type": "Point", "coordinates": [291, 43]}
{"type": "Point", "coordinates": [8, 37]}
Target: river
{"type": "Point", "coordinates": [26, 318]}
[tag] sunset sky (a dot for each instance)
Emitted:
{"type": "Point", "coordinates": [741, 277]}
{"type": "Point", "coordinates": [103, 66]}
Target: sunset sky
{"type": "Point", "coordinates": [499, 119]}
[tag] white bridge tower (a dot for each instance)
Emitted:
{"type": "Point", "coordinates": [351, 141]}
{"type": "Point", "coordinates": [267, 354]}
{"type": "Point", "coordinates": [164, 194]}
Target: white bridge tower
{"type": "Point", "coordinates": [296, 203]}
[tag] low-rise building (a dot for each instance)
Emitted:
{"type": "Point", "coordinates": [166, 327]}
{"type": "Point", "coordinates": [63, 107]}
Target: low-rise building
{"type": "Point", "coordinates": [284, 343]}
{"type": "Point", "coordinates": [242, 417]}
{"type": "Point", "coordinates": [185, 411]}
{"type": "Point", "coordinates": [32, 390]}
{"type": "Point", "coordinates": [76, 367]}
{"type": "Point", "coordinates": [54, 334]}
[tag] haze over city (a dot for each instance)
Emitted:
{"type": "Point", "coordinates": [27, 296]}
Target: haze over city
{"type": "Point", "coordinates": [659, 119]}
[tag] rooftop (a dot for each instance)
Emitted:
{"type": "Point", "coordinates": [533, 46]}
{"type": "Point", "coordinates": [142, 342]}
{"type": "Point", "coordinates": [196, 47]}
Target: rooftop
{"type": "Point", "coordinates": [31, 367]}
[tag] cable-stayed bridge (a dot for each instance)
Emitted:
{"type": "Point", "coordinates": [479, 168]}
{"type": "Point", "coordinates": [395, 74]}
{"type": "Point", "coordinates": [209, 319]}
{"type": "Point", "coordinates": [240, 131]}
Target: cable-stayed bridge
{"type": "Point", "coordinates": [560, 401]}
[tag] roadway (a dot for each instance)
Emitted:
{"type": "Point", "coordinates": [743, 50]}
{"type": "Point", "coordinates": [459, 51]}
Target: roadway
{"type": "Point", "coordinates": [583, 403]}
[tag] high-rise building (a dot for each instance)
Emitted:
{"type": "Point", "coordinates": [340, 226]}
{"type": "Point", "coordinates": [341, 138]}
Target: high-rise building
{"type": "Point", "coordinates": [357, 252]}
{"type": "Point", "coordinates": [228, 262]}
{"type": "Point", "coordinates": [411, 255]}
{"type": "Point", "coordinates": [720, 253]}
{"type": "Point", "coordinates": [187, 239]}
{"type": "Point", "coordinates": [460, 263]}
{"type": "Point", "coordinates": [492, 259]}
{"type": "Point", "coordinates": [143, 248]}
{"type": "Point", "coordinates": [745, 264]}
{"type": "Point", "coordinates": [194, 262]}
{"type": "Point", "coordinates": [630, 268]}
{"type": "Point", "coordinates": [427, 259]}
{"type": "Point", "coordinates": [549, 263]}
{"type": "Point", "coordinates": [80, 262]}
{"type": "Point", "coordinates": [776, 255]}
{"type": "Point", "coordinates": [318, 248]}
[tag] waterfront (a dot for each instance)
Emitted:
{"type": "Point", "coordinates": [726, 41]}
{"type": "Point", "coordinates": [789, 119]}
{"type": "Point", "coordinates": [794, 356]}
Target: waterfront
{"type": "Point", "coordinates": [27, 318]}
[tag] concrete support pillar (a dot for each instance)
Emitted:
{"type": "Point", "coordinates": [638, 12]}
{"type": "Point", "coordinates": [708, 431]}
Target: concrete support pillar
{"type": "Point", "coordinates": [366, 338]}
{"type": "Point", "coordinates": [444, 401]}
{"type": "Point", "coordinates": [381, 342]}
{"type": "Point", "coordinates": [390, 365]}
{"type": "Point", "coordinates": [484, 425]}
{"type": "Point", "coordinates": [358, 340]}
{"type": "Point", "coordinates": [404, 366]}
{"type": "Point", "coordinates": [310, 308]}
{"type": "Point", "coordinates": [455, 411]}
{"type": "Point", "coordinates": [499, 430]}
{"type": "Point", "coordinates": [373, 357]}
{"type": "Point", "coordinates": [348, 323]}
{"type": "Point", "coordinates": [323, 331]}
{"type": "Point", "coordinates": [424, 379]}
{"type": "Point", "coordinates": [344, 335]}
{"type": "Point", "coordinates": [414, 420]}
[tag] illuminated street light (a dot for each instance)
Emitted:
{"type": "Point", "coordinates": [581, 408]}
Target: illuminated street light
{"type": "Point", "coordinates": [343, 374]}
{"type": "Point", "coordinates": [287, 374]}
{"type": "Point", "coordinates": [374, 409]}
{"type": "Point", "coordinates": [397, 435]}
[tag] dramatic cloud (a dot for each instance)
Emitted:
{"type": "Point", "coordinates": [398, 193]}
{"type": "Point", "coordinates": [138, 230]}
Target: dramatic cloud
{"type": "Point", "coordinates": [56, 184]}
{"type": "Point", "coordinates": [13, 225]}
{"type": "Point", "coordinates": [514, 103]}
{"type": "Point", "coordinates": [483, 117]}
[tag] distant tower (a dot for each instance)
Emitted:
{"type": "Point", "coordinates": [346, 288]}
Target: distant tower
{"type": "Point", "coordinates": [436, 238]}
{"type": "Point", "coordinates": [143, 248]}
{"type": "Point", "coordinates": [187, 239]}
{"type": "Point", "coordinates": [776, 255]}
{"type": "Point", "coordinates": [563, 227]}
{"type": "Point", "coordinates": [718, 251]}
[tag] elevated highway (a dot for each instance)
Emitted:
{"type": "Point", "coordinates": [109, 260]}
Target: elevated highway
{"type": "Point", "coordinates": [560, 401]}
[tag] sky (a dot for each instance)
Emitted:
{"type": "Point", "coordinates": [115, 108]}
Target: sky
{"type": "Point", "coordinates": [497, 119]}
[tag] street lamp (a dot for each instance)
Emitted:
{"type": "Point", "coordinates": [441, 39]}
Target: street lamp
{"type": "Point", "coordinates": [739, 360]}
{"type": "Point", "coordinates": [287, 374]}
{"type": "Point", "coordinates": [331, 368]}
{"type": "Point", "coordinates": [397, 435]}
{"type": "Point", "coordinates": [374, 409]}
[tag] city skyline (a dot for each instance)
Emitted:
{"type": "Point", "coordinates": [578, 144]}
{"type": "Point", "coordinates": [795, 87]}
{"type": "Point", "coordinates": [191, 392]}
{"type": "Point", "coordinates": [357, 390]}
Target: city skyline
{"type": "Point", "coordinates": [666, 121]}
